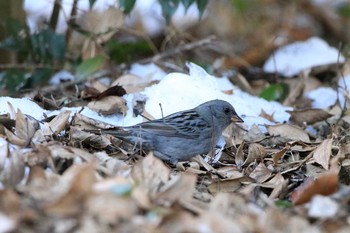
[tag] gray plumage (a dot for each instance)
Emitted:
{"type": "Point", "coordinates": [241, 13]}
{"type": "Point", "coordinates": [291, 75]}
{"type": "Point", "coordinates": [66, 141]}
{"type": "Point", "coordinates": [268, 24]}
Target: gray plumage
{"type": "Point", "coordinates": [181, 135]}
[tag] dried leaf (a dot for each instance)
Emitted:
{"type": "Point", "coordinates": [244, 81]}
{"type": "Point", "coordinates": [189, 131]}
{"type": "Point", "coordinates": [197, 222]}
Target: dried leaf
{"type": "Point", "coordinates": [102, 24]}
{"type": "Point", "coordinates": [150, 174]}
{"type": "Point", "coordinates": [261, 173]}
{"type": "Point", "coordinates": [310, 116]}
{"type": "Point", "coordinates": [277, 183]}
{"type": "Point", "coordinates": [13, 171]}
{"type": "Point", "coordinates": [325, 184]}
{"type": "Point", "coordinates": [84, 122]}
{"type": "Point", "coordinates": [323, 153]}
{"type": "Point", "coordinates": [255, 152]}
{"type": "Point", "coordinates": [228, 185]}
{"type": "Point", "coordinates": [115, 90]}
{"type": "Point", "coordinates": [109, 105]}
{"type": "Point", "coordinates": [239, 157]}
{"type": "Point", "coordinates": [57, 124]}
{"type": "Point", "coordinates": [88, 139]}
{"type": "Point", "coordinates": [267, 116]}
{"type": "Point", "coordinates": [278, 155]}
{"type": "Point", "coordinates": [72, 203]}
{"type": "Point", "coordinates": [290, 132]}
{"type": "Point", "coordinates": [180, 188]}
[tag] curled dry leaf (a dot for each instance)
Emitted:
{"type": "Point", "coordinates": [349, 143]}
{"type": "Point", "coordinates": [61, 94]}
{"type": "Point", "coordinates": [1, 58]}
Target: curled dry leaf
{"type": "Point", "coordinates": [150, 174]}
{"type": "Point", "coordinates": [40, 156]}
{"type": "Point", "coordinates": [261, 173]}
{"type": "Point", "coordinates": [4, 151]}
{"type": "Point", "coordinates": [309, 116]}
{"type": "Point", "coordinates": [228, 185]}
{"type": "Point", "coordinates": [88, 139]}
{"type": "Point", "coordinates": [102, 24]}
{"type": "Point", "coordinates": [57, 124]}
{"type": "Point", "coordinates": [115, 90]}
{"type": "Point", "coordinates": [277, 183]}
{"type": "Point", "coordinates": [326, 184]}
{"type": "Point", "coordinates": [80, 189]}
{"type": "Point", "coordinates": [323, 153]}
{"type": "Point", "coordinates": [230, 172]}
{"type": "Point", "coordinates": [81, 121]}
{"type": "Point", "coordinates": [279, 154]}
{"type": "Point", "coordinates": [109, 105]}
{"type": "Point", "coordinates": [13, 170]}
{"type": "Point", "coordinates": [290, 132]}
{"type": "Point", "coordinates": [267, 116]}
{"type": "Point", "coordinates": [26, 127]}
{"type": "Point", "coordinates": [239, 157]}
{"type": "Point", "coordinates": [255, 152]}
{"type": "Point", "coordinates": [179, 188]}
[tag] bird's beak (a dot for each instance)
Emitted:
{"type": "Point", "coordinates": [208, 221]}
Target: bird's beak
{"type": "Point", "coordinates": [236, 119]}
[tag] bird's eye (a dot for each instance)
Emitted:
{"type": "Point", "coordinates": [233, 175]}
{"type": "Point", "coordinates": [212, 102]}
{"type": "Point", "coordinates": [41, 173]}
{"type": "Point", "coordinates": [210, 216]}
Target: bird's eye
{"type": "Point", "coordinates": [226, 110]}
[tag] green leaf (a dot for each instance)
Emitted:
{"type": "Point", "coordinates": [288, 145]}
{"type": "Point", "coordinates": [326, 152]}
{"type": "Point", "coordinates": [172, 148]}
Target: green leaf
{"type": "Point", "coordinates": [40, 77]}
{"type": "Point", "coordinates": [13, 80]}
{"type": "Point", "coordinates": [89, 67]}
{"type": "Point", "coordinates": [344, 10]}
{"type": "Point", "coordinates": [276, 92]}
{"type": "Point", "coordinates": [57, 47]}
{"type": "Point", "coordinates": [283, 204]}
{"type": "Point", "coordinates": [242, 6]}
{"type": "Point", "coordinates": [187, 3]}
{"type": "Point", "coordinates": [168, 8]}
{"type": "Point", "coordinates": [201, 5]}
{"type": "Point", "coordinates": [127, 51]}
{"type": "Point", "coordinates": [126, 5]}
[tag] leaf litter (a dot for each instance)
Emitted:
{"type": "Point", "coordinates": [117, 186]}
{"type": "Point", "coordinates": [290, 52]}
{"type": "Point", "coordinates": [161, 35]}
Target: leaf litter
{"type": "Point", "coordinates": [55, 175]}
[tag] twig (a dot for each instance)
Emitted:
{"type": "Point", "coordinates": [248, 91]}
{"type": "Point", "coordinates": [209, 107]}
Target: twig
{"type": "Point", "coordinates": [178, 49]}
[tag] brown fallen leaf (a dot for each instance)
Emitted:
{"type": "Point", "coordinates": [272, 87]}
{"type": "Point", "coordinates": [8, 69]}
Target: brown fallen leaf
{"type": "Point", "coordinates": [150, 174]}
{"type": "Point", "coordinates": [287, 131]}
{"type": "Point", "coordinates": [84, 122]}
{"type": "Point", "coordinates": [278, 155]}
{"type": "Point", "coordinates": [112, 91]}
{"type": "Point", "coordinates": [26, 127]}
{"type": "Point", "coordinates": [267, 116]}
{"type": "Point", "coordinates": [78, 136]}
{"type": "Point", "coordinates": [309, 116]}
{"type": "Point", "coordinates": [261, 173]}
{"type": "Point", "coordinates": [326, 184]}
{"type": "Point", "coordinates": [228, 185]}
{"type": "Point", "coordinates": [80, 189]}
{"type": "Point", "coordinates": [239, 157]}
{"type": "Point", "coordinates": [255, 152]}
{"type": "Point", "coordinates": [13, 168]}
{"type": "Point", "coordinates": [57, 124]}
{"type": "Point", "coordinates": [323, 153]}
{"type": "Point", "coordinates": [109, 105]}
{"type": "Point", "coordinates": [179, 188]}
{"type": "Point", "coordinates": [278, 184]}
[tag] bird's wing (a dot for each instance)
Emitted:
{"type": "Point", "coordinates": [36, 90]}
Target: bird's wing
{"type": "Point", "coordinates": [182, 124]}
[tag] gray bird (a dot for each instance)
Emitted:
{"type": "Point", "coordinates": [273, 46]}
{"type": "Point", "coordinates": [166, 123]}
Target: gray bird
{"type": "Point", "coordinates": [181, 135]}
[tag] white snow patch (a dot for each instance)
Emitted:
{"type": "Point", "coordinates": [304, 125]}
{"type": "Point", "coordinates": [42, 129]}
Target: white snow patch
{"type": "Point", "coordinates": [293, 58]}
{"type": "Point", "coordinates": [322, 97]}
{"type": "Point", "coordinates": [24, 104]}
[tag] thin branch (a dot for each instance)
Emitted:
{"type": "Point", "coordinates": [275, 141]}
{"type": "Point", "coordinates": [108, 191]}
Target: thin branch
{"type": "Point", "coordinates": [178, 50]}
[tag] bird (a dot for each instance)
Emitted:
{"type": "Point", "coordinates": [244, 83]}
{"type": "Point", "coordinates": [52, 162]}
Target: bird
{"type": "Point", "coordinates": [181, 135]}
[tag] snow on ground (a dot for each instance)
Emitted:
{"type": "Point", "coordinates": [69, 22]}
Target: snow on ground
{"type": "Point", "coordinates": [291, 59]}
{"type": "Point", "coordinates": [175, 92]}
{"type": "Point", "coordinates": [179, 91]}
